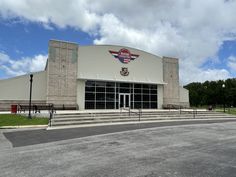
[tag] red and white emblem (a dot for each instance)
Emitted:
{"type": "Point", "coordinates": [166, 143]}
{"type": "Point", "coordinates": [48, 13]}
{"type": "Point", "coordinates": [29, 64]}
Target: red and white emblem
{"type": "Point", "coordinates": [124, 55]}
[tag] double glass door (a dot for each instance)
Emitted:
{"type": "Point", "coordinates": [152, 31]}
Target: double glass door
{"type": "Point", "coordinates": [124, 100]}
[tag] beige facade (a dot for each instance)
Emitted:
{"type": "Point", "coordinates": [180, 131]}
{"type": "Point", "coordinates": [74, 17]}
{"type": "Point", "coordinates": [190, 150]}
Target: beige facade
{"type": "Point", "coordinates": [70, 66]}
{"type": "Point", "coordinates": [183, 97]}
{"type": "Point", "coordinates": [16, 90]}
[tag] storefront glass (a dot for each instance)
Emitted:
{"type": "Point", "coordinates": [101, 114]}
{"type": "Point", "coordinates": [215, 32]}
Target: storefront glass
{"type": "Point", "coordinates": [113, 95]}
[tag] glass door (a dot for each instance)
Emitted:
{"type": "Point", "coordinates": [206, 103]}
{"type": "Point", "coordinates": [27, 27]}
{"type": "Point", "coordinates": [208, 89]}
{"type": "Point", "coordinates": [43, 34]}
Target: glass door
{"type": "Point", "coordinates": [124, 100]}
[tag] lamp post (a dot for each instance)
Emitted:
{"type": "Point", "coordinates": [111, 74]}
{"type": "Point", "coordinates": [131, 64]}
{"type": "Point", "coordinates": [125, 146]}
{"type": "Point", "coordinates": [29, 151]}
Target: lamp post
{"type": "Point", "coordinates": [223, 86]}
{"type": "Point", "coordinates": [31, 80]}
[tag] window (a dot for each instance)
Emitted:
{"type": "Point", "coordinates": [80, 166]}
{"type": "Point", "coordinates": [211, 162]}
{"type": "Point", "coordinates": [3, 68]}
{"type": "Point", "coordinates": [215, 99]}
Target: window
{"type": "Point", "coordinates": [105, 95]}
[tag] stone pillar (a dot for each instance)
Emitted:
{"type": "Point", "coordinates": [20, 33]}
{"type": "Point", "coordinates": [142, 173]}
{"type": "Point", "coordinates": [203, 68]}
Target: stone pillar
{"type": "Point", "coordinates": [62, 73]}
{"type": "Point", "coordinates": [160, 96]}
{"type": "Point", "coordinates": [81, 94]}
{"type": "Point", "coordinates": [171, 77]}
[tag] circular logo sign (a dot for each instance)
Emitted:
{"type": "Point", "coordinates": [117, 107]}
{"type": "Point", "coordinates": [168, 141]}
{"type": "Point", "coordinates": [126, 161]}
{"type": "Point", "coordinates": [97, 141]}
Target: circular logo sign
{"type": "Point", "coordinates": [124, 55]}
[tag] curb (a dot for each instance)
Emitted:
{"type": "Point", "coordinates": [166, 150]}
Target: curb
{"type": "Point", "coordinates": [24, 126]}
{"type": "Point", "coordinates": [137, 122]}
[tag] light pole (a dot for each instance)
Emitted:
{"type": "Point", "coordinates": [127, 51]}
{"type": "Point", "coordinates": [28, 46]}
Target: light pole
{"type": "Point", "coordinates": [31, 80]}
{"type": "Point", "coordinates": [223, 86]}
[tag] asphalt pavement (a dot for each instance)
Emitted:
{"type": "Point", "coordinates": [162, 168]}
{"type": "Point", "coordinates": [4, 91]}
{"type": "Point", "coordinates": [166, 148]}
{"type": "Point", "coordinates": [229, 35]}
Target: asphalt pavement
{"type": "Point", "coordinates": [190, 150]}
{"type": "Point", "coordinates": [31, 137]}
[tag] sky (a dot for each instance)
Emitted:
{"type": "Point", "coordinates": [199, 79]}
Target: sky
{"type": "Point", "coordinates": [201, 33]}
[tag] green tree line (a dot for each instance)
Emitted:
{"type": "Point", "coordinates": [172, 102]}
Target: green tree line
{"type": "Point", "coordinates": [212, 93]}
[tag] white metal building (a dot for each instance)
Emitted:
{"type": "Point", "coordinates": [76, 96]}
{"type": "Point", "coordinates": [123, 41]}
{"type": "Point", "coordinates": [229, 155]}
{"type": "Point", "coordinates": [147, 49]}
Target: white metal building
{"type": "Point", "coordinates": [99, 77]}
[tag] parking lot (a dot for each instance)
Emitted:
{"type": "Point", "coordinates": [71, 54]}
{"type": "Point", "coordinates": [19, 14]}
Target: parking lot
{"type": "Point", "coordinates": [194, 150]}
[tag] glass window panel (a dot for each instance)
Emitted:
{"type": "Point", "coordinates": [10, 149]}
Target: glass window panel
{"type": "Point", "coordinates": [110, 84]}
{"type": "Point", "coordinates": [131, 97]}
{"type": "Point", "coordinates": [125, 85]}
{"type": "Point", "coordinates": [145, 105]}
{"type": "Point", "coordinates": [124, 90]}
{"type": "Point", "coordinates": [100, 105]}
{"type": "Point", "coordinates": [137, 90]}
{"type": "Point", "coordinates": [154, 87]}
{"type": "Point", "coordinates": [100, 96]}
{"type": "Point", "coordinates": [153, 91]}
{"type": "Point", "coordinates": [137, 97]}
{"type": "Point", "coordinates": [145, 86]}
{"type": "Point", "coordinates": [132, 105]}
{"type": "Point", "coordinates": [137, 85]}
{"type": "Point", "coordinates": [153, 97]}
{"type": "Point", "coordinates": [137, 105]}
{"type": "Point", "coordinates": [100, 84]}
{"type": "Point", "coordinates": [145, 91]}
{"type": "Point", "coordinates": [89, 105]}
{"type": "Point", "coordinates": [90, 89]}
{"type": "Point", "coordinates": [90, 96]}
{"type": "Point", "coordinates": [145, 97]}
{"type": "Point", "coordinates": [100, 89]}
{"type": "Point", "coordinates": [127, 100]}
{"type": "Point", "coordinates": [110, 105]}
{"type": "Point", "coordinates": [110, 97]}
{"type": "Point", "coordinates": [153, 105]}
{"type": "Point", "coordinates": [90, 83]}
{"type": "Point", "coordinates": [122, 101]}
{"type": "Point", "coordinates": [117, 105]}
{"type": "Point", "coordinates": [117, 97]}
{"type": "Point", "coordinates": [109, 89]}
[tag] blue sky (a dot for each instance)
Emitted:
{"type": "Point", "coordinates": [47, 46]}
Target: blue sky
{"type": "Point", "coordinates": [202, 34]}
{"type": "Point", "coordinates": [28, 39]}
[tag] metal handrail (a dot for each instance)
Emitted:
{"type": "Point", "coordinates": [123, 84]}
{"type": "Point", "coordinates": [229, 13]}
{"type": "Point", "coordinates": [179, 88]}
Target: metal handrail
{"type": "Point", "coordinates": [194, 111]}
{"type": "Point", "coordinates": [51, 112]}
{"type": "Point", "coordinates": [139, 113]}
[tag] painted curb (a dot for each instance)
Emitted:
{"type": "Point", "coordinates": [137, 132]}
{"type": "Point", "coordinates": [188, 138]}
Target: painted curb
{"type": "Point", "coordinates": [24, 126]}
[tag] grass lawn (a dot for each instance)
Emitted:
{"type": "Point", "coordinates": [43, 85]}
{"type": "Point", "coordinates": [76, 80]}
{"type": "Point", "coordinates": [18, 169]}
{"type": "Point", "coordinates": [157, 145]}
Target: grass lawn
{"type": "Point", "coordinates": [15, 120]}
{"type": "Point", "coordinates": [227, 110]}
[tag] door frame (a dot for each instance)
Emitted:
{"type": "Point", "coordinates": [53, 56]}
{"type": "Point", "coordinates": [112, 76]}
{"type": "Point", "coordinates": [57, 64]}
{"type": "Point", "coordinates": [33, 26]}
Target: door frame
{"type": "Point", "coordinates": [124, 99]}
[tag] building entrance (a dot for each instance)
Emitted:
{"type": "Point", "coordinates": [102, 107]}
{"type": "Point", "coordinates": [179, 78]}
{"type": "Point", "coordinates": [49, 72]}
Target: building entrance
{"type": "Point", "coordinates": [124, 100]}
{"type": "Point", "coordinates": [115, 95]}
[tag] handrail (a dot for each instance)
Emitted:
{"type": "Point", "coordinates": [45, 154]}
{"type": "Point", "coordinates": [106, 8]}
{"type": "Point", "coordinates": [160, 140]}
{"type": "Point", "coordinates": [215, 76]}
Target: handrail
{"type": "Point", "coordinates": [139, 113]}
{"type": "Point", "coordinates": [51, 112]}
{"type": "Point", "coordinates": [193, 111]}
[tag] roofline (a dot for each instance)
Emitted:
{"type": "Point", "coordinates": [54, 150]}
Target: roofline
{"type": "Point", "coordinates": [27, 74]}
{"type": "Point", "coordinates": [57, 40]}
{"type": "Point", "coordinates": [123, 47]}
{"type": "Point", "coordinates": [112, 45]}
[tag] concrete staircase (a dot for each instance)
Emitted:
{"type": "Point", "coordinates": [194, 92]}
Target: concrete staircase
{"type": "Point", "coordinates": [95, 118]}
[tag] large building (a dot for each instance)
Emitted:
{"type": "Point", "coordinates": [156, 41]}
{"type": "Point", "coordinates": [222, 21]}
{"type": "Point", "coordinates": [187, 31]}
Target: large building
{"type": "Point", "coordinates": [99, 77]}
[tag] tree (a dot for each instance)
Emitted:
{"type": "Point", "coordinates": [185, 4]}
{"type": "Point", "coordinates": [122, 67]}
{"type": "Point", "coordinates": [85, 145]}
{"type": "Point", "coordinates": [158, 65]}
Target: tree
{"type": "Point", "coordinates": [212, 93]}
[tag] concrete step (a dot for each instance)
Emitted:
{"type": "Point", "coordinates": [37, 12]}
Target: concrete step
{"type": "Point", "coordinates": [72, 123]}
{"type": "Point", "coordinates": [115, 117]}
{"type": "Point", "coordinates": [84, 121]}
{"type": "Point", "coordinates": [135, 115]}
{"type": "Point", "coordinates": [104, 121]}
{"type": "Point", "coordinates": [56, 119]}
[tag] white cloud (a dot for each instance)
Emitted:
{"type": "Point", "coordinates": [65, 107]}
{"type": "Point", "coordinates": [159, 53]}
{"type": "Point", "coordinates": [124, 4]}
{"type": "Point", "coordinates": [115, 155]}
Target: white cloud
{"type": "Point", "coordinates": [201, 75]}
{"type": "Point", "coordinates": [22, 66]}
{"type": "Point", "coordinates": [192, 30]}
{"type": "Point", "coordinates": [231, 63]}
{"type": "Point", "coordinates": [3, 58]}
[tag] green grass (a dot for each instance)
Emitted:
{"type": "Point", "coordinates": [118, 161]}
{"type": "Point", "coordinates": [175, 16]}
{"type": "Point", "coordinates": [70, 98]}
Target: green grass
{"type": "Point", "coordinates": [227, 110]}
{"type": "Point", "coordinates": [16, 120]}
